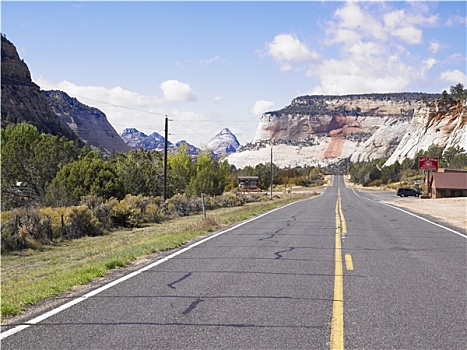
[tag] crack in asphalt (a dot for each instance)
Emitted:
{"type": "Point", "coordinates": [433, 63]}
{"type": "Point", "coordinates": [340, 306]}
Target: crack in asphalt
{"type": "Point", "coordinates": [172, 285]}
{"type": "Point", "coordinates": [192, 306]}
{"type": "Point", "coordinates": [279, 255]}
{"type": "Point", "coordinates": [271, 236]}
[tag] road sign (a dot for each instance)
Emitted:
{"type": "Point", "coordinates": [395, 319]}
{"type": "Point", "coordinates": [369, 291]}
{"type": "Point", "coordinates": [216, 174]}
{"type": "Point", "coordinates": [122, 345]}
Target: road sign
{"type": "Point", "coordinates": [428, 163]}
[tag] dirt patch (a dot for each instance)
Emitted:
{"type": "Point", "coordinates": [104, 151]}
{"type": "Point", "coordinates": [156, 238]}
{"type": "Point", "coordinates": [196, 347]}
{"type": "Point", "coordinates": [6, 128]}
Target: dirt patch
{"type": "Point", "coordinates": [334, 149]}
{"type": "Point", "coordinates": [451, 211]}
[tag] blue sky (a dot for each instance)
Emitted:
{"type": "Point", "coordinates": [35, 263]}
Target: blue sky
{"type": "Point", "coordinates": [210, 65]}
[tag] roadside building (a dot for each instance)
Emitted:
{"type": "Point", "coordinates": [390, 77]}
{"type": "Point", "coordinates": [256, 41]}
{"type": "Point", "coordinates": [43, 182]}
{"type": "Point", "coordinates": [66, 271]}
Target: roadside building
{"type": "Point", "coordinates": [248, 183]}
{"type": "Point", "coordinates": [447, 183]}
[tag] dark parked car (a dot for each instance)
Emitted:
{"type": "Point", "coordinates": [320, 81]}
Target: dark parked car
{"type": "Point", "coordinates": [405, 192]}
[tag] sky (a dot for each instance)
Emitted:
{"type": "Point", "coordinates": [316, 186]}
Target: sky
{"type": "Point", "coordinates": [212, 65]}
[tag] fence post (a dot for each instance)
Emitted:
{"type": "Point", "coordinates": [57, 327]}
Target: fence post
{"type": "Point", "coordinates": [204, 206]}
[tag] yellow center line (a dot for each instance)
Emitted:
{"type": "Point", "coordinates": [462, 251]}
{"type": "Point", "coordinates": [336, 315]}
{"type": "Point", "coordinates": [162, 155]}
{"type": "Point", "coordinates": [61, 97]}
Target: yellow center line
{"type": "Point", "coordinates": [343, 222]}
{"type": "Point", "coordinates": [337, 323]}
{"type": "Point", "coordinates": [348, 262]}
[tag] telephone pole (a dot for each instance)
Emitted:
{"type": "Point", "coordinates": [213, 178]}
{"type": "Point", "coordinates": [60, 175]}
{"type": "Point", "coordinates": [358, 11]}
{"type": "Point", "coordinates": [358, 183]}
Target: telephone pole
{"type": "Point", "coordinates": [166, 142]}
{"type": "Point", "coordinates": [272, 175]}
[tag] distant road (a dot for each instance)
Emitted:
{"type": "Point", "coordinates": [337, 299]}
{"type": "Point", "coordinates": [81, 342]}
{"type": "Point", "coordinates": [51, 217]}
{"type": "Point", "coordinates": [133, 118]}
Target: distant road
{"type": "Point", "coordinates": [335, 271]}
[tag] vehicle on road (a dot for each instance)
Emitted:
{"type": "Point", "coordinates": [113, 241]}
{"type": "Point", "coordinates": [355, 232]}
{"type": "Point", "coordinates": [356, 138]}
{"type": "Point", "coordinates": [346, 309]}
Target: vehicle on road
{"type": "Point", "coordinates": [406, 192]}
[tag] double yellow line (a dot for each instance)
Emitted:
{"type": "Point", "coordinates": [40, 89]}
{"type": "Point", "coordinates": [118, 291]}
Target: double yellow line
{"type": "Point", "coordinates": [337, 325]}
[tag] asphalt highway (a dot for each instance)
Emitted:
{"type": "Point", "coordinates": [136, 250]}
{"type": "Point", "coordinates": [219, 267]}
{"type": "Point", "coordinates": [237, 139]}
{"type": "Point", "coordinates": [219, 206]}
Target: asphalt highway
{"type": "Point", "coordinates": [332, 272]}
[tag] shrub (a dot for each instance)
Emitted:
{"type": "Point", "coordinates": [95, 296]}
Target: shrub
{"type": "Point", "coordinates": [25, 229]}
{"type": "Point", "coordinates": [79, 222]}
{"type": "Point", "coordinates": [376, 183]}
{"type": "Point", "coordinates": [180, 205]}
{"type": "Point", "coordinates": [229, 200]}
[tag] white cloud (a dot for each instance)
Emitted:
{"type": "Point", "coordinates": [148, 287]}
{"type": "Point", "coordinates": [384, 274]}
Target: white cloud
{"type": "Point", "coordinates": [210, 60]}
{"type": "Point", "coordinates": [352, 76]}
{"type": "Point", "coordinates": [116, 95]}
{"type": "Point", "coordinates": [429, 63]}
{"type": "Point", "coordinates": [174, 90]}
{"type": "Point", "coordinates": [456, 20]}
{"type": "Point", "coordinates": [454, 76]}
{"type": "Point", "coordinates": [217, 99]}
{"type": "Point", "coordinates": [286, 49]}
{"type": "Point", "coordinates": [435, 46]}
{"type": "Point", "coordinates": [409, 34]}
{"type": "Point", "coordinates": [373, 40]}
{"type": "Point", "coordinates": [261, 106]}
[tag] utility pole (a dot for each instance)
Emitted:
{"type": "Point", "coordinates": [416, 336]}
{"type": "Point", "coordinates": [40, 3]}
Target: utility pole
{"type": "Point", "coordinates": [272, 176]}
{"type": "Point", "coordinates": [165, 155]}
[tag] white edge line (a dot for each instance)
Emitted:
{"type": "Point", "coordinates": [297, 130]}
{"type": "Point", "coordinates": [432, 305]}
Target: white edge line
{"type": "Point", "coordinates": [418, 217]}
{"type": "Point", "coordinates": [65, 306]}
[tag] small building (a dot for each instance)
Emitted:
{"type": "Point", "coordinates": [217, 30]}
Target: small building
{"type": "Point", "coordinates": [447, 183]}
{"type": "Point", "coordinates": [248, 183]}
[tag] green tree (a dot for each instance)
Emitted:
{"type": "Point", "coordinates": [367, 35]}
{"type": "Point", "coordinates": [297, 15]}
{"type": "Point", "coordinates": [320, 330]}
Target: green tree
{"type": "Point", "coordinates": [90, 175]}
{"type": "Point", "coordinates": [32, 159]}
{"type": "Point", "coordinates": [454, 158]}
{"type": "Point", "coordinates": [444, 95]}
{"type": "Point", "coordinates": [263, 171]}
{"type": "Point", "coordinates": [458, 92]}
{"type": "Point", "coordinates": [210, 177]}
{"type": "Point", "coordinates": [391, 173]}
{"type": "Point", "coordinates": [141, 172]}
{"type": "Point", "coordinates": [180, 170]}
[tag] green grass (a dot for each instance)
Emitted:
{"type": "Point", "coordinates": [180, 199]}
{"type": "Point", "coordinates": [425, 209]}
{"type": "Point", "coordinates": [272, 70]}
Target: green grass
{"type": "Point", "coordinates": [30, 276]}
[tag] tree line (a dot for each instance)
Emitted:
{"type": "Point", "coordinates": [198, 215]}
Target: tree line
{"type": "Point", "coordinates": [47, 170]}
{"type": "Point", "coordinates": [375, 173]}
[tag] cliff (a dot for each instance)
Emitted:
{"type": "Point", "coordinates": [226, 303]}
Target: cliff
{"type": "Point", "coordinates": [322, 130]}
{"type": "Point", "coordinates": [310, 116]}
{"type": "Point", "coordinates": [90, 124]}
{"type": "Point", "coordinates": [52, 112]}
{"type": "Point", "coordinates": [22, 100]}
{"type": "Point", "coordinates": [442, 122]}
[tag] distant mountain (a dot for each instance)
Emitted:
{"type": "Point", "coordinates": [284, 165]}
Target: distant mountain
{"type": "Point", "coordinates": [22, 100]}
{"type": "Point", "coordinates": [135, 139]}
{"type": "Point", "coordinates": [225, 142]}
{"type": "Point", "coordinates": [90, 124]}
{"type": "Point", "coordinates": [192, 150]}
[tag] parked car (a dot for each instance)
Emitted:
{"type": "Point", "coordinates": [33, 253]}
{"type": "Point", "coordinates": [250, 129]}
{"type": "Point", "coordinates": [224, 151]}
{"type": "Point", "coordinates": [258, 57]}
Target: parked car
{"type": "Point", "coordinates": [405, 192]}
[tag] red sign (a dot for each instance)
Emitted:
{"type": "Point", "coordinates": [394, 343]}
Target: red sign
{"type": "Point", "coordinates": [428, 163]}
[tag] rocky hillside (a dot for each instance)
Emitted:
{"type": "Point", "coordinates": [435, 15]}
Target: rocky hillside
{"type": "Point", "coordinates": [52, 112]}
{"type": "Point", "coordinates": [224, 143]}
{"type": "Point", "coordinates": [310, 116]}
{"type": "Point", "coordinates": [90, 124]}
{"type": "Point", "coordinates": [323, 130]}
{"type": "Point", "coordinates": [442, 122]}
{"type": "Point", "coordinates": [22, 100]}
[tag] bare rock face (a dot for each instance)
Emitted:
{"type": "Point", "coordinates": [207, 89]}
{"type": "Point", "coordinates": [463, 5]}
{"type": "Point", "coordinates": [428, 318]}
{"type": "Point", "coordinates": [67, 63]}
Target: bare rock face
{"type": "Point", "coordinates": [441, 122]}
{"type": "Point", "coordinates": [89, 123]}
{"type": "Point", "coordinates": [309, 116]}
{"type": "Point", "coordinates": [22, 100]}
{"type": "Point", "coordinates": [51, 112]}
{"type": "Point", "coordinates": [327, 129]}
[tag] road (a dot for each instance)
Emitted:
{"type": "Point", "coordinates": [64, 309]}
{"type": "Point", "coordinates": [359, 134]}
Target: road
{"type": "Point", "coordinates": [332, 272]}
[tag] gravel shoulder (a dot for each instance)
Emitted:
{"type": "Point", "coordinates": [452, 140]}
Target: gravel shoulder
{"type": "Point", "coordinates": [449, 211]}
